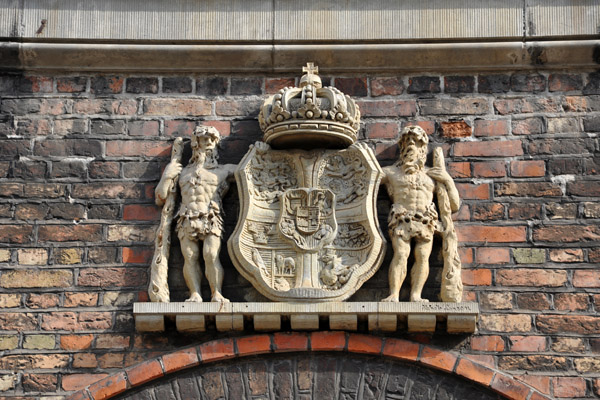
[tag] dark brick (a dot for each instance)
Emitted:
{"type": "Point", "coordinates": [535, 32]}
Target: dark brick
{"type": "Point", "coordinates": [102, 255]}
{"type": "Point", "coordinates": [142, 170]}
{"type": "Point", "coordinates": [213, 86]}
{"type": "Point", "coordinates": [561, 166]}
{"type": "Point", "coordinates": [142, 85]}
{"type": "Point", "coordinates": [584, 188]}
{"type": "Point", "coordinates": [325, 373]}
{"type": "Point", "coordinates": [424, 84]}
{"type": "Point", "coordinates": [528, 189]}
{"type": "Point", "coordinates": [68, 147]}
{"type": "Point", "coordinates": [106, 85]}
{"type": "Point", "coordinates": [103, 211]}
{"type": "Point", "coordinates": [4, 167]}
{"type": "Point", "coordinates": [246, 129]}
{"type": "Point", "coordinates": [274, 85]}
{"type": "Point", "coordinates": [533, 301]}
{"type": "Point", "coordinates": [36, 84]}
{"type": "Point", "coordinates": [71, 84]}
{"type": "Point", "coordinates": [257, 378]}
{"type": "Point", "coordinates": [246, 86]}
{"type": "Point", "coordinates": [533, 363]}
{"type": "Point", "coordinates": [493, 83]}
{"type": "Point", "coordinates": [11, 149]}
{"type": "Point", "coordinates": [238, 108]}
{"type": "Point", "coordinates": [487, 211]}
{"type": "Point", "coordinates": [528, 83]}
{"type": "Point", "coordinates": [179, 127]}
{"type": "Point", "coordinates": [108, 127]}
{"type": "Point", "coordinates": [591, 124]}
{"type": "Point", "coordinates": [30, 169]}
{"type": "Point", "coordinates": [67, 211]}
{"type": "Point", "coordinates": [459, 84]}
{"type": "Point", "coordinates": [593, 84]}
{"type": "Point", "coordinates": [564, 82]}
{"type": "Point", "coordinates": [31, 211]}
{"type": "Point", "coordinates": [212, 385]}
{"type": "Point", "coordinates": [5, 211]}
{"type": "Point", "coordinates": [592, 166]}
{"type": "Point", "coordinates": [177, 85]}
{"type": "Point", "coordinates": [16, 234]}
{"type": "Point", "coordinates": [69, 169]}
{"type": "Point", "coordinates": [561, 146]}
{"type": "Point", "coordinates": [104, 169]}
{"type": "Point", "coordinates": [282, 380]}
{"type": "Point", "coordinates": [352, 86]}
{"type": "Point", "coordinates": [387, 86]}
{"type": "Point", "coordinates": [8, 83]}
{"type": "Point", "coordinates": [39, 382]}
{"type": "Point", "coordinates": [235, 383]}
{"type": "Point", "coordinates": [32, 127]}
{"type": "Point", "coordinates": [143, 128]}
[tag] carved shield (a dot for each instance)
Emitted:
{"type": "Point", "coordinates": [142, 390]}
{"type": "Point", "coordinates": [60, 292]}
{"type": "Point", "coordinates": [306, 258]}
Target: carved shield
{"type": "Point", "coordinates": [307, 229]}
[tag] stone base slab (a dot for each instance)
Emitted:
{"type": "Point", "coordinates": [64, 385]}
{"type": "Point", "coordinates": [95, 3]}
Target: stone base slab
{"type": "Point", "coordinates": [456, 318]}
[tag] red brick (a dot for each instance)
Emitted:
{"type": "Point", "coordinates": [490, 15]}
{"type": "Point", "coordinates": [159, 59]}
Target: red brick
{"type": "Point", "coordinates": [80, 299]}
{"type": "Point", "coordinates": [527, 105]}
{"type": "Point", "coordinates": [138, 212]}
{"type": "Point", "coordinates": [509, 387]}
{"type": "Point", "coordinates": [388, 108]}
{"type": "Point", "coordinates": [471, 191]}
{"type": "Point", "coordinates": [487, 343]}
{"type": "Point", "coordinates": [216, 350]}
{"type": "Point", "coordinates": [45, 300]}
{"type": "Point", "coordinates": [79, 381]}
{"type": "Point", "coordinates": [137, 255]}
{"type": "Point", "coordinates": [180, 359]}
{"type": "Point", "coordinates": [75, 84]}
{"type": "Point", "coordinates": [564, 82]}
{"type": "Point", "coordinates": [18, 321]}
{"type": "Point", "coordinates": [224, 127]}
{"type": "Point", "coordinates": [569, 323]}
{"type": "Point", "coordinates": [541, 383]}
{"type": "Point", "coordinates": [477, 277]}
{"type": "Point", "coordinates": [382, 130]}
{"type": "Point", "coordinates": [105, 190]}
{"type": "Point", "coordinates": [129, 148]}
{"type": "Point", "coordinates": [489, 169]}
{"type": "Point", "coordinates": [459, 169]}
{"type": "Point", "coordinates": [328, 341]}
{"type": "Point", "coordinates": [495, 148]}
{"type": "Point", "coordinates": [401, 349]}
{"type": "Point", "coordinates": [525, 169]}
{"type": "Point", "coordinates": [456, 129]}
{"type": "Point", "coordinates": [180, 127]}
{"type": "Point", "coordinates": [16, 233]}
{"type": "Point", "coordinates": [384, 86]}
{"type": "Point", "coordinates": [290, 342]}
{"type": "Point", "coordinates": [364, 344]}
{"type": "Point", "coordinates": [491, 128]}
{"type": "Point", "coordinates": [567, 233]}
{"type": "Point", "coordinates": [144, 372]}
{"type": "Point", "coordinates": [587, 278]}
{"type": "Point", "coordinates": [109, 386]}
{"type": "Point", "coordinates": [438, 359]}
{"type": "Point", "coordinates": [67, 233]}
{"type": "Point", "coordinates": [428, 126]}
{"type": "Point", "coordinates": [474, 372]}
{"type": "Point", "coordinates": [76, 342]}
{"type": "Point", "coordinates": [492, 255]}
{"type": "Point", "coordinates": [527, 343]}
{"type": "Point", "coordinates": [491, 234]}
{"type": "Point", "coordinates": [352, 86]}
{"type": "Point", "coordinates": [177, 107]}
{"type": "Point", "coordinates": [531, 277]}
{"type": "Point", "coordinates": [37, 84]}
{"type": "Point", "coordinates": [571, 301]}
{"type": "Point", "coordinates": [569, 387]}
{"type": "Point", "coordinates": [273, 85]}
{"type": "Point", "coordinates": [466, 255]}
{"type": "Point", "coordinates": [257, 344]}
{"type": "Point", "coordinates": [109, 277]}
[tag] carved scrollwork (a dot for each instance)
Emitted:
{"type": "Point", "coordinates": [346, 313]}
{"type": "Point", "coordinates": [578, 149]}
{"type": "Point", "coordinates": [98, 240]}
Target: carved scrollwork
{"type": "Point", "coordinates": [271, 174]}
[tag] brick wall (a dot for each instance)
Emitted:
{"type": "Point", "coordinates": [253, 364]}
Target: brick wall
{"type": "Point", "coordinates": [80, 156]}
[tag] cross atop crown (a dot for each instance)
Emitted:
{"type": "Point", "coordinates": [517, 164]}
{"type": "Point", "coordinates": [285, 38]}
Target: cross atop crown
{"type": "Point", "coordinates": [310, 76]}
{"type": "Point", "coordinates": [310, 69]}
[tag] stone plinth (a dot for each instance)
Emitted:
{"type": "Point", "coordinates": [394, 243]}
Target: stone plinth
{"type": "Point", "coordinates": [414, 317]}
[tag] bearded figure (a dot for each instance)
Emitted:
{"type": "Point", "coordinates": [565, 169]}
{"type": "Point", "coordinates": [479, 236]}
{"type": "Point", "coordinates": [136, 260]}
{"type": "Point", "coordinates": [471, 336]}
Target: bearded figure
{"type": "Point", "coordinates": [414, 217]}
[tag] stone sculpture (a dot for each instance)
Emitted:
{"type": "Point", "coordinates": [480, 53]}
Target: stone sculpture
{"type": "Point", "coordinates": [307, 229]}
{"type": "Point", "coordinates": [414, 217]}
{"type": "Point", "coordinates": [202, 184]}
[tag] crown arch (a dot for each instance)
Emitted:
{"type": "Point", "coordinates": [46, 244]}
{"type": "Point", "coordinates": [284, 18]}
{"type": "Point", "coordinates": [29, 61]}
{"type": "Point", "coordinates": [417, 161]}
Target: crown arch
{"type": "Point", "coordinates": [371, 366]}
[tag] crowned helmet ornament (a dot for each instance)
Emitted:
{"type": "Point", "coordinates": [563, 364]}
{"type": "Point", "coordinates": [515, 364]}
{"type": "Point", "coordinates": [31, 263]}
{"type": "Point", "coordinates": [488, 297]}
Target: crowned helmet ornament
{"type": "Point", "coordinates": [309, 116]}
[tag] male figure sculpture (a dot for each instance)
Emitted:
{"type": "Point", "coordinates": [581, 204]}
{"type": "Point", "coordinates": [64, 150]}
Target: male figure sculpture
{"type": "Point", "coordinates": [413, 216]}
{"type": "Point", "coordinates": [203, 183]}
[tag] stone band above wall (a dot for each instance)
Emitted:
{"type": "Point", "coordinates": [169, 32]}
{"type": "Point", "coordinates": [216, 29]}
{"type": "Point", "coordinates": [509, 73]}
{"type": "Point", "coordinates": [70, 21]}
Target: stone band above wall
{"type": "Point", "coordinates": [331, 58]}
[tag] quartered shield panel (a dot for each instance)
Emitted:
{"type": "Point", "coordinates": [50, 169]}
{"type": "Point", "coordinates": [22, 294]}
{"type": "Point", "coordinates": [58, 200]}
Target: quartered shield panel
{"type": "Point", "coordinates": [307, 229]}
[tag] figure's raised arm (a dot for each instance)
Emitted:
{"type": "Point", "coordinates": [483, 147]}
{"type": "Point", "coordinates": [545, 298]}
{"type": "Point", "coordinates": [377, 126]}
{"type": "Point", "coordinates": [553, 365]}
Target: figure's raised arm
{"type": "Point", "coordinates": [439, 173]}
{"type": "Point", "coordinates": [171, 173]}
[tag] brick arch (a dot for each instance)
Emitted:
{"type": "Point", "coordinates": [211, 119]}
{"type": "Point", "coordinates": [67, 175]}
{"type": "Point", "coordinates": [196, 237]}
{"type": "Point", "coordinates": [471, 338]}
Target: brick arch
{"type": "Point", "coordinates": [231, 348]}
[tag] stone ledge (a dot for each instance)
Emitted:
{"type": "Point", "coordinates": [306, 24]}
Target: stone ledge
{"type": "Point", "coordinates": [418, 317]}
{"type": "Point", "coordinates": [285, 58]}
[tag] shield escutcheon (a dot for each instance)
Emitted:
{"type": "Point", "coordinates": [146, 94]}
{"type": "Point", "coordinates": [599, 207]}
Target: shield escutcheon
{"type": "Point", "coordinates": [307, 229]}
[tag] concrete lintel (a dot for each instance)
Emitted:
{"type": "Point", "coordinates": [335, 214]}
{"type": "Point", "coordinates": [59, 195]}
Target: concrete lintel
{"type": "Point", "coordinates": [287, 58]}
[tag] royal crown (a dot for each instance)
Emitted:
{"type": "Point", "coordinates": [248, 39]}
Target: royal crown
{"type": "Point", "coordinates": [310, 116]}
